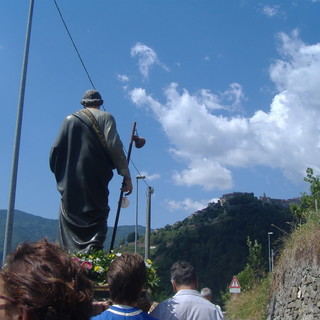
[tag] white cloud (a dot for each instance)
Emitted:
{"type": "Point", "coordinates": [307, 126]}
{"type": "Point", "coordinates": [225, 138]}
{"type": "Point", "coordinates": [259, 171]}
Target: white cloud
{"type": "Point", "coordinates": [123, 78]}
{"type": "Point", "coordinates": [187, 205]}
{"type": "Point", "coordinates": [270, 11]}
{"type": "Point", "coordinates": [211, 145]}
{"type": "Point", "coordinates": [234, 94]}
{"type": "Point", "coordinates": [147, 57]}
{"type": "Point", "coordinates": [154, 176]}
{"type": "Point", "coordinates": [150, 177]}
{"type": "Point", "coordinates": [206, 173]}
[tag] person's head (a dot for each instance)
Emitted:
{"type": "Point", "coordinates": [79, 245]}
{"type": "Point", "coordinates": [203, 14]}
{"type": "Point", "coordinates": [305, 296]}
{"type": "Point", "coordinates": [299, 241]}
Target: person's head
{"type": "Point", "coordinates": [183, 276]}
{"type": "Point", "coordinates": [206, 293]}
{"type": "Point", "coordinates": [126, 277]}
{"type": "Point", "coordinates": [44, 282]}
{"type": "Point", "coordinates": [91, 98]}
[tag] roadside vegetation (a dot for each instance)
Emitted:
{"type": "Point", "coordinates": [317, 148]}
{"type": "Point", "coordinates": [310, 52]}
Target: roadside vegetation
{"type": "Point", "coordinates": [252, 302]}
{"type": "Point", "coordinates": [257, 285]}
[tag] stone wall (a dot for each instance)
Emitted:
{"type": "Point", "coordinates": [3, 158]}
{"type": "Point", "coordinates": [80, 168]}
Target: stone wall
{"type": "Point", "coordinates": [296, 293]}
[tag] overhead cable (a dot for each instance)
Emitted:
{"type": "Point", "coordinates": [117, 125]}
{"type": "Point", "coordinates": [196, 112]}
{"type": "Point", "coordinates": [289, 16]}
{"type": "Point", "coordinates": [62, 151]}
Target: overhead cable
{"type": "Point", "coordinates": [74, 45]}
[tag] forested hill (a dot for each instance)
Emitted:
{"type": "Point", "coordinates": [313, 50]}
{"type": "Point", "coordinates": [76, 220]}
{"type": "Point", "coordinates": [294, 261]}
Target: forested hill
{"type": "Point", "coordinates": [214, 240]}
{"type": "Point", "coordinates": [28, 227]}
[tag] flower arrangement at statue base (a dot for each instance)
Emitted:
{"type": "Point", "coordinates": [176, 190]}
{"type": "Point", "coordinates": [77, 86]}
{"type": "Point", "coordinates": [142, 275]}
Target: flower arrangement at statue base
{"type": "Point", "coordinates": [97, 264]}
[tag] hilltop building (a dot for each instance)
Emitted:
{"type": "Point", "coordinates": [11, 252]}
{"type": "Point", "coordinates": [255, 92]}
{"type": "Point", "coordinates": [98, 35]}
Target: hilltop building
{"type": "Point", "coordinates": [265, 199]}
{"type": "Point", "coordinates": [228, 196]}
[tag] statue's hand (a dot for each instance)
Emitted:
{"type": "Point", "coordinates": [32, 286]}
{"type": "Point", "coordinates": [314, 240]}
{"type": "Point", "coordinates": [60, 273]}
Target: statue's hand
{"type": "Point", "coordinates": [127, 186]}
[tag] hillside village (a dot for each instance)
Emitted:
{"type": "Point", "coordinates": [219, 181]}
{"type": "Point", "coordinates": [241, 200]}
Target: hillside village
{"type": "Point", "coordinates": [264, 198]}
{"type": "Point", "coordinates": [284, 203]}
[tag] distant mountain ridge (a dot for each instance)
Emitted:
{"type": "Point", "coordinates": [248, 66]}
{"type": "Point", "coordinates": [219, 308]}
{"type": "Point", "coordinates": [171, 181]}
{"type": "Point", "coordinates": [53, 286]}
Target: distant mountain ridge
{"type": "Point", "coordinates": [29, 227]}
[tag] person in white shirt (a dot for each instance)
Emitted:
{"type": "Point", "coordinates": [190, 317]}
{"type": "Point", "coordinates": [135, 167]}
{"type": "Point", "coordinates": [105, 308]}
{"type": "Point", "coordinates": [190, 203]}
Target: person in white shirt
{"type": "Point", "coordinates": [206, 293]}
{"type": "Point", "coordinates": [187, 303]}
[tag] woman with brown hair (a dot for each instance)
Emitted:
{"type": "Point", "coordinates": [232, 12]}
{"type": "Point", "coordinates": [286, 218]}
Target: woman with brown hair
{"type": "Point", "coordinates": [41, 281]}
{"type": "Point", "coordinates": [126, 277]}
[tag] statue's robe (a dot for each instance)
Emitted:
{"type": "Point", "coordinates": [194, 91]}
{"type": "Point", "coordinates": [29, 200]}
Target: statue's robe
{"type": "Point", "coordinates": [83, 169]}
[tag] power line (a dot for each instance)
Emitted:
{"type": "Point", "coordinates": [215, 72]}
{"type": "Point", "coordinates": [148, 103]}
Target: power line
{"type": "Point", "coordinates": [74, 45]}
{"type": "Point", "coordinates": [85, 69]}
{"type": "Point", "coordinates": [139, 173]}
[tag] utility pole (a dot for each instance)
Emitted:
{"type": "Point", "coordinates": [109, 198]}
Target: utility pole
{"type": "Point", "coordinates": [10, 213]}
{"type": "Point", "coordinates": [269, 249]}
{"type": "Point", "coordinates": [150, 191]}
{"type": "Point", "coordinates": [136, 226]}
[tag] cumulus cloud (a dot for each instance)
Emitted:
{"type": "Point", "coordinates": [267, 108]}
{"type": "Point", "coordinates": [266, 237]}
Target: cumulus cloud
{"type": "Point", "coordinates": [203, 172]}
{"type": "Point", "coordinates": [147, 58]}
{"type": "Point", "coordinates": [187, 205]}
{"type": "Point", "coordinates": [211, 145]}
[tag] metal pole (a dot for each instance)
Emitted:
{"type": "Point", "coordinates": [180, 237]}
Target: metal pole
{"type": "Point", "coordinates": [269, 250]}
{"type": "Point", "coordinates": [136, 226]}
{"type": "Point", "coordinates": [121, 192]}
{"type": "Point", "coordinates": [150, 190]}
{"type": "Point", "coordinates": [10, 213]}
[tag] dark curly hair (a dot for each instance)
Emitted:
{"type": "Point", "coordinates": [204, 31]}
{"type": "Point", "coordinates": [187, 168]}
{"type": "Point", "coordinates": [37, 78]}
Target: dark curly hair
{"type": "Point", "coordinates": [45, 281]}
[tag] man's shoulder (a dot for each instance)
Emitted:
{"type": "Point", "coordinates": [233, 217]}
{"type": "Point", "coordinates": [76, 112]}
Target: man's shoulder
{"type": "Point", "coordinates": [179, 305]}
{"type": "Point", "coordinates": [188, 298]}
{"type": "Point", "coordinates": [163, 305]}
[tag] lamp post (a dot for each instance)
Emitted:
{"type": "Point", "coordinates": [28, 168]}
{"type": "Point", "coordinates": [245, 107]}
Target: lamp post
{"type": "Point", "coordinates": [136, 227]}
{"type": "Point", "coordinates": [269, 251]}
{"type": "Point", "coordinates": [150, 191]}
{"type": "Point", "coordinates": [15, 161]}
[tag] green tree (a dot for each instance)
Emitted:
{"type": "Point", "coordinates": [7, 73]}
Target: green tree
{"type": "Point", "coordinates": [131, 237]}
{"type": "Point", "coordinates": [255, 260]}
{"type": "Point", "coordinates": [255, 269]}
{"type": "Point", "coordinates": [308, 201]}
{"type": "Point", "coordinates": [314, 183]}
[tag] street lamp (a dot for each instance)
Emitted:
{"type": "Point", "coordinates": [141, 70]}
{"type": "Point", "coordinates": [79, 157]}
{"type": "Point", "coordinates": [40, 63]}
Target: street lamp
{"type": "Point", "coordinates": [150, 191]}
{"type": "Point", "coordinates": [136, 227]}
{"type": "Point", "coordinates": [269, 251]}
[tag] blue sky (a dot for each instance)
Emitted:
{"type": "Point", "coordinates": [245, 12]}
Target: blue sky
{"type": "Point", "coordinates": [226, 94]}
